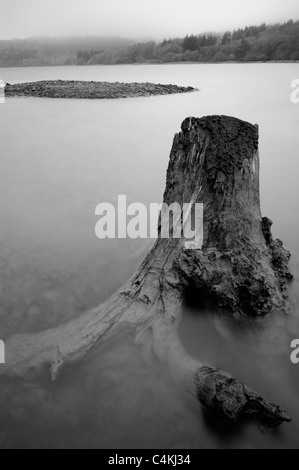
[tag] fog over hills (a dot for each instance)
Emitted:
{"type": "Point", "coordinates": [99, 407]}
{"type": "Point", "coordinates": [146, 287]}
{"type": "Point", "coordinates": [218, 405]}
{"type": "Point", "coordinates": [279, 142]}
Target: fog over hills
{"type": "Point", "coordinates": [278, 42]}
{"type": "Point", "coordinates": [154, 19]}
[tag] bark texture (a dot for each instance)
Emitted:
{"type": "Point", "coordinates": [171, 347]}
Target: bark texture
{"type": "Point", "coordinates": [215, 160]}
{"type": "Point", "coordinates": [240, 268]}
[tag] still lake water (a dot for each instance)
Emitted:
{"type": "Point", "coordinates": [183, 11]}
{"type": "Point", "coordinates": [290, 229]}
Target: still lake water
{"type": "Point", "coordinates": [59, 159]}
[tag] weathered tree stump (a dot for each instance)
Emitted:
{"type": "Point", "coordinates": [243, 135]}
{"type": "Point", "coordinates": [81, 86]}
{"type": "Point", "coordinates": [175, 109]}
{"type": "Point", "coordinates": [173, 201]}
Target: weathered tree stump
{"type": "Point", "coordinates": [240, 268]}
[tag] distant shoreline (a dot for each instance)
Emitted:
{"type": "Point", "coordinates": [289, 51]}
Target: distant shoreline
{"type": "Point", "coordinates": [156, 63]}
{"type": "Point", "coordinates": [67, 89]}
{"type": "Point", "coordinates": [153, 63]}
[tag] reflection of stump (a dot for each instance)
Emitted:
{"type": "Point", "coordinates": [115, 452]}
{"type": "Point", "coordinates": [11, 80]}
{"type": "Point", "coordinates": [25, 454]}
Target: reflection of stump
{"type": "Point", "coordinates": [214, 161]}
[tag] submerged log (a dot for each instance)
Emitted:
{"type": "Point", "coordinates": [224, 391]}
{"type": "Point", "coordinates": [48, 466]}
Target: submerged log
{"type": "Point", "coordinates": [239, 268]}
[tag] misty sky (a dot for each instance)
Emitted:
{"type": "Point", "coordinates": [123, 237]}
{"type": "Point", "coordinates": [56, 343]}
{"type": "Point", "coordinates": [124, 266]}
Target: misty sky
{"type": "Point", "coordinates": [136, 18]}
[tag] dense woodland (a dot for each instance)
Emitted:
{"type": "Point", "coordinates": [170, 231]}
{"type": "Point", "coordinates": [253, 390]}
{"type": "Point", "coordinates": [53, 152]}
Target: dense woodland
{"type": "Point", "coordinates": [279, 42]}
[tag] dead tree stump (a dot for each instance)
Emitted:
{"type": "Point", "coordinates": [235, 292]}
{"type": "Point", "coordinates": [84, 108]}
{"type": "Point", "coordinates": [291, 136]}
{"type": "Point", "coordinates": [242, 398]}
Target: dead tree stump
{"type": "Point", "coordinates": [239, 268]}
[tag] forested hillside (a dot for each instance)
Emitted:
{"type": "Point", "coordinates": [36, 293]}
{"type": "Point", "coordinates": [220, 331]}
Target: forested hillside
{"type": "Point", "coordinates": [279, 42]}
{"type": "Point", "coordinates": [55, 51]}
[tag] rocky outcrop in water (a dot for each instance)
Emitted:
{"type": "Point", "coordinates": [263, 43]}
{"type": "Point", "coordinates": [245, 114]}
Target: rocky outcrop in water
{"type": "Point", "coordinates": [231, 401]}
{"type": "Point", "coordinates": [91, 90]}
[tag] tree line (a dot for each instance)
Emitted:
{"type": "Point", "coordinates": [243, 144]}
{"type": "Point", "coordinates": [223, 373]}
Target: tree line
{"type": "Point", "coordinates": [278, 42]}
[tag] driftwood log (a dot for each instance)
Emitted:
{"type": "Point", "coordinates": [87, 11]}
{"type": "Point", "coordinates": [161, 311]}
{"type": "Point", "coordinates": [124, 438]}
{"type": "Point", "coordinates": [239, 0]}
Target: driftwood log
{"type": "Point", "coordinates": [240, 268]}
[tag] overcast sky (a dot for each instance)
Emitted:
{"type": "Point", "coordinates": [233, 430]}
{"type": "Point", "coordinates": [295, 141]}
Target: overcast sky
{"type": "Point", "coordinates": [136, 18]}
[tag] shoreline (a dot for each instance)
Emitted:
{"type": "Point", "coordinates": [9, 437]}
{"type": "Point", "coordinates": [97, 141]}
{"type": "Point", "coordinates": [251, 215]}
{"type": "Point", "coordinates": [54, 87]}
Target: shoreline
{"type": "Point", "coordinates": [153, 63]}
{"type": "Point", "coordinates": [71, 89]}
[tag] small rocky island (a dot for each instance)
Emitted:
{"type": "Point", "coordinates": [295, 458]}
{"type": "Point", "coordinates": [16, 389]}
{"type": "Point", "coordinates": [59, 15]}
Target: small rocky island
{"type": "Point", "coordinates": [91, 90]}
